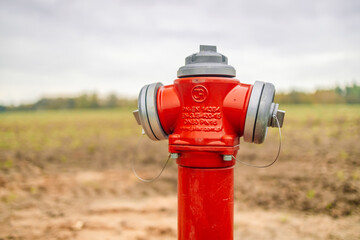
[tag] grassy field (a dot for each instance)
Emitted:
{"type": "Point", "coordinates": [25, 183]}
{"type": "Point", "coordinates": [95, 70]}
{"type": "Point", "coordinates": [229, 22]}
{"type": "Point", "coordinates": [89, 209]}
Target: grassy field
{"type": "Point", "coordinates": [65, 137]}
{"type": "Point", "coordinates": [67, 175]}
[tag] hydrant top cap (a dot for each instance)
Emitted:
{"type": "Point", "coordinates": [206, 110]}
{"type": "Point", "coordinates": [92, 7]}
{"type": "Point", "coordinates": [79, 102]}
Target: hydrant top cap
{"type": "Point", "coordinates": [206, 62]}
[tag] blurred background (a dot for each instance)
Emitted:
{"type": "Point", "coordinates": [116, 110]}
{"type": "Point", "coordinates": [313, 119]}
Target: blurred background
{"type": "Point", "coordinates": [70, 73]}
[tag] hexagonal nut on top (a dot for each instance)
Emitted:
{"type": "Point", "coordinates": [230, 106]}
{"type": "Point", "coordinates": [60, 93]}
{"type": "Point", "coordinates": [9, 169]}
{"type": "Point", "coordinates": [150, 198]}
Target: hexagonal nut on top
{"type": "Point", "coordinates": [206, 62]}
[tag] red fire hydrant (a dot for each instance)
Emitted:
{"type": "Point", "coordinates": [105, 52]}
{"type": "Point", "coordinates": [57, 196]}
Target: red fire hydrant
{"type": "Point", "coordinates": [203, 114]}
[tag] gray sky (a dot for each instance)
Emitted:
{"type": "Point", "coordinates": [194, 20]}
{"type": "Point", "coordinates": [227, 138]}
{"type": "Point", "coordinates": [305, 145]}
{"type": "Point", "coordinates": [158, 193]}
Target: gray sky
{"type": "Point", "coordinates": [52, 47]}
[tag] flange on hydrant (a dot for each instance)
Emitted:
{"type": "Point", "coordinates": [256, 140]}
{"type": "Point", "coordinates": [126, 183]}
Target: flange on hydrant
{"type": "Point", "coordinates": [203, 115]}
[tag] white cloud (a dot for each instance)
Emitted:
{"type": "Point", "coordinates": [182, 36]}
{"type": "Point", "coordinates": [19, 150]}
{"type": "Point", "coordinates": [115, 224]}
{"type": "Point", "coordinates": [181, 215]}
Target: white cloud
{"type": "Point", "coordinates": [72, 46]}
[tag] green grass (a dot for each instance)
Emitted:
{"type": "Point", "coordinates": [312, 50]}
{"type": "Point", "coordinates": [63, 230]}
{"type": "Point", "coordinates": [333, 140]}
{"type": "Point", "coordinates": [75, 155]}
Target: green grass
{"type": "Point", "coordinates": [50, 129]}
{"type": "Point", "coordinates": [323, 113]}
{"type": "Point", "coordinates": [64, 137]}
{"type": "Point", "coordinates": [62, 134]}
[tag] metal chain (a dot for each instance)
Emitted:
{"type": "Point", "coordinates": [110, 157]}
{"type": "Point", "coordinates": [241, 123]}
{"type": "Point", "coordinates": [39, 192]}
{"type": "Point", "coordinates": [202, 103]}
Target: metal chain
{"type": "Point", "coordinates": [151, 179]}
{"type": "Point", "coordinates": [277, 156]}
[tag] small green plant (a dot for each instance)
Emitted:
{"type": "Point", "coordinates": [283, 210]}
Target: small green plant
{"type": "Point", "coordinates": [310, 194]}
{"type": "Point", "coordinates": [284, 219]}
{"type": "Point", "coordinates": [343, 155]}
{"type": "Point", "coordinates": [329, 206]}
{"type": "Point", "coordinates": [7, 164]}
{"type": "Point", "coordinates": [33, 190]}
{"type": "Point", "coordinates": [340, 175]}
{"type": "Point", "coordinates": [236, 226]}
{"type": "Point", "coordinates": [10, 198]}
{"type": "Point", "coordinates": [355, 176]}
{"type": "Point", "coordinates": [63, 159]}
{"type": "Point", "coordinates": [91, 148]}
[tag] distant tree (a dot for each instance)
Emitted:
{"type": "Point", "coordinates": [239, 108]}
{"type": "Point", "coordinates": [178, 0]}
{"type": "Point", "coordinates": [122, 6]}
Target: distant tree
{"type": "Point", "coordinates": [25, 107]}
{"type": "Point", "coordinates": [82, 101]}
{"type": "Point", "coordinates": [294, 97]}
{"type": "Point", "coordinates": [349, 94]}
{"type": "Point", "coordinates": [70, 103]}
{"type": "Point", "coordinates": [339, 91]}
{"type": "Point", "coordinates": [352, 94]}
{"type": "Point", "coordinates": [327, 96]}
{"type": "Point", "coordinates": [94, 101]}
{"type": "Point", "coordinates": [111, 101]}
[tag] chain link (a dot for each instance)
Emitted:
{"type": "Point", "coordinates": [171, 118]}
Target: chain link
{"type": "Point", "coordinates": [277, 155]}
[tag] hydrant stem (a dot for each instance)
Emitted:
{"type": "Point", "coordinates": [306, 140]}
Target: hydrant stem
{"type": "Point", "coordinates": [205, 203]}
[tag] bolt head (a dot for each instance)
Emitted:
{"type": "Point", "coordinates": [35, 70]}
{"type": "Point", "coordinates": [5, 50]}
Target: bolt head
{"type": "Point", "coordinates": [227, 157]}
{"type": "Point", "coordinates": [174, 155]}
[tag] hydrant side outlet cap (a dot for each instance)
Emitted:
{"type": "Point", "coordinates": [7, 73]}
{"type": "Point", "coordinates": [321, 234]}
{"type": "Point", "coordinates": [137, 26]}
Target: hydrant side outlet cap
{"type": "Point", "coordinates": [264, 114]}
{"type": "Point", "coordinates": [148, 114]}
{"type": "Point", "coordinates": [252, 111]}
{"type": "Point", "coordinates": [259, 112]}
{"type": "Point", "coordinates": [206, 62]}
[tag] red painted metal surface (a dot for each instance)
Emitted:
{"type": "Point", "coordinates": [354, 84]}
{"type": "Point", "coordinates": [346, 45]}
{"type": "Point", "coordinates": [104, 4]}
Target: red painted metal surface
{"type": "Point", "coordinates": [204, 117]}
{"type": "Point", "coordinates": [204, 114]}
{"type": "Point", "coordinates": [205, 203]}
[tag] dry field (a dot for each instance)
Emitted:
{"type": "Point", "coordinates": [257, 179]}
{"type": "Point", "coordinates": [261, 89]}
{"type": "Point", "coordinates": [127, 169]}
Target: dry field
{"type": "Point", "coordinates": [67, 175]}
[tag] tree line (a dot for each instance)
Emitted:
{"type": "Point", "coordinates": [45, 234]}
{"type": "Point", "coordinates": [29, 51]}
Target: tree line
{"type": "Point", "coordinates": [349, 94]}
{"type": "Point", "coordinates": [83, 101]}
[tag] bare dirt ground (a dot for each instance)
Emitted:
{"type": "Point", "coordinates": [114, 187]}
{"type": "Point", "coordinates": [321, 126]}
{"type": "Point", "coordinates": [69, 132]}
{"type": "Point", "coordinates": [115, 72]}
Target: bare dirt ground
{"type": "Point", "coordinates": [68, 176]}
{"type": "Point", "coordinates": [74, 206]}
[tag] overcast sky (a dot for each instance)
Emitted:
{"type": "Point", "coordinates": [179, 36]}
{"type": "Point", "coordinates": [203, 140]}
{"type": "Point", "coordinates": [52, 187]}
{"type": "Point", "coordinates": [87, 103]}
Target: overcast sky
{"type": "Point", "coordinates": [64, 47]}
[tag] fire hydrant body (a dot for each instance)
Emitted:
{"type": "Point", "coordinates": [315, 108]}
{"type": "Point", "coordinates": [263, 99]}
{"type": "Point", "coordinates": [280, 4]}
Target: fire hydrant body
{"type": "Point", "coordinates": [205, 127]}
{"type": "Point", "coordinates": [203, 114]}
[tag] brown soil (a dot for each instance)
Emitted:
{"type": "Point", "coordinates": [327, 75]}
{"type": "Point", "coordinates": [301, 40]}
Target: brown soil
{"type": "Point", "coordinates": [103, 205]}
{"type": "Point", "coordinates": [89, 192]}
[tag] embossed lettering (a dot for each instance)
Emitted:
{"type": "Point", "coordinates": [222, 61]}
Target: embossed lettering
{"type": "Point", "coordinates": [202, 118]}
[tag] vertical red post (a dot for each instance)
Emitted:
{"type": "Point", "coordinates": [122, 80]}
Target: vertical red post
{"type": "Point", "coordinates": [205, 203]}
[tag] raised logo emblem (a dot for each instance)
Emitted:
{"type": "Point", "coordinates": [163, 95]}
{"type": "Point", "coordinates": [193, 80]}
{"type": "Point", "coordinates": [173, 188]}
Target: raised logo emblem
{"type": "Point", "coordinates": [199, 93]}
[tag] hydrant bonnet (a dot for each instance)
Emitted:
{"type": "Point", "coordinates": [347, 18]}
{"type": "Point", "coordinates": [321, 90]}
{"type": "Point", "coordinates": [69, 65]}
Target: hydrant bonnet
{"type": "Point", "coordinates": [206, 62]}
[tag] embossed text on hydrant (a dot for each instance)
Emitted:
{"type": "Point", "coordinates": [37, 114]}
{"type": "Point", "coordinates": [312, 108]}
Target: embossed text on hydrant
{"type": "Point", "coordinates": [201, 118]}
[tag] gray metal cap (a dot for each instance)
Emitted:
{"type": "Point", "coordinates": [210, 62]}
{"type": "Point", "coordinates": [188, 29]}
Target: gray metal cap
{"type": "Point", "coordinates": [261, 113]}
{"type": "Point", "coordinates": [147, 115]}
{"type": "Point", "coordinates": [206, 62]}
